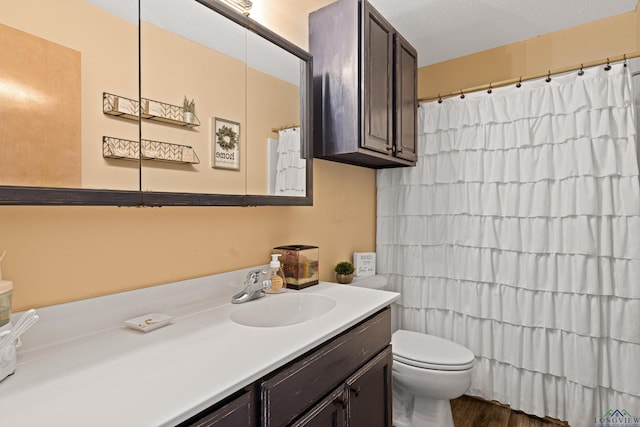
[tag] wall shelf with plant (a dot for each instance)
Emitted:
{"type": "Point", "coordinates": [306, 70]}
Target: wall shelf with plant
{"type": "Point", "coordinates": [127, 108]}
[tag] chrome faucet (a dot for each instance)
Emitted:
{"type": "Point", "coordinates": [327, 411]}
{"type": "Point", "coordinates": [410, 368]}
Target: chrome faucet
{"type": "Point", "coordinates": [254, 286]}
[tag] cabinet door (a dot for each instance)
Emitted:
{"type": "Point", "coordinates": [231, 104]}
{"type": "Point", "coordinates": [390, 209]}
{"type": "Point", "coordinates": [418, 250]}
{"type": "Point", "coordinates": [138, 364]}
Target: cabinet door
{"type": "Point", "coordinates": [406, 99]}
{"type": "Point", "coordinates": [237, 413]}
{"type": "Point", "coordinates": [378, 81]}
{"type": "Point", "coordinates": [329, 412]}
{"type": "Point", "coordinates": [289, 393]}
{"type": "Point", "coordinates": [369, 400]}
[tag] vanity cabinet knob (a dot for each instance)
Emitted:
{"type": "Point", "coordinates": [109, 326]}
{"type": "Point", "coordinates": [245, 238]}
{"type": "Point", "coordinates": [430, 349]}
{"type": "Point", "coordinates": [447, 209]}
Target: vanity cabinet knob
{"type": "Point", "coordinates": [355, 390]}
{"type": "Point", "coordinates": [342, 400]}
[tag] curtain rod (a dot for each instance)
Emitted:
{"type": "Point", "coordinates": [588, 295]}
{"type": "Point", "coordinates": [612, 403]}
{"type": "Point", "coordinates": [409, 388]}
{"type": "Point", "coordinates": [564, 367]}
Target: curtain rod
{"type": "Point", "coordinates": [520, 79]}
{"type": "Point", "coordinates": [276, 130]}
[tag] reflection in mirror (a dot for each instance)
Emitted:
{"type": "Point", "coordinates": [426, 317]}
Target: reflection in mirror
{"type": "Point", "coordinates": [191, 52]}
{"type": "Point", "coordinates": [56, 60]}
{"type": "Point", "coordinates": [276, 163]}
{"type": "Point", "coordinates": [80, 123]}
{"type": "Point", "coordinates": [242, 85]}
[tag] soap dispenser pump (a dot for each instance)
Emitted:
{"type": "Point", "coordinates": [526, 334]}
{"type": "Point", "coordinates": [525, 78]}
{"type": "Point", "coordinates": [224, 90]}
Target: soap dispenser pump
{"type": "Point", "coordinates": [278, 283]}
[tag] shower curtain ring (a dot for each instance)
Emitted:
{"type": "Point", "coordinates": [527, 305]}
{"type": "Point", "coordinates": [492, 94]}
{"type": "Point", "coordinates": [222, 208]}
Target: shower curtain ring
{"type": "Point", "coordinates": [581, 72]}
{"type": "Point", "coordinates": [608, 67]}
{"type": "Point", "coordinates": [439, 99]}
{"type": "Point", "coordinates": [548, 79]}
{"type": "Point", "coordinates": [519, 84]}
{"type": "Point", "coordinates": [490, 89]}
{"type": "Point", "coordinates": [461, 95]}
{"type": "Point", "coordinates": [624, 56]}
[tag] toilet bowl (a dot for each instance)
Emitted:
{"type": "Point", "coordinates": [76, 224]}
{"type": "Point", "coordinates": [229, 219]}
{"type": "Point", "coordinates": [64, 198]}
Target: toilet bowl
{"type": "Point", "coordinates": [427, 372]}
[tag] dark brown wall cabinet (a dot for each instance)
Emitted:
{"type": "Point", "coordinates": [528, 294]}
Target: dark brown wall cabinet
{"type": "Point", "coordinates": [345, 381]}
{"type": "Point", "coordinates": [365, 87]}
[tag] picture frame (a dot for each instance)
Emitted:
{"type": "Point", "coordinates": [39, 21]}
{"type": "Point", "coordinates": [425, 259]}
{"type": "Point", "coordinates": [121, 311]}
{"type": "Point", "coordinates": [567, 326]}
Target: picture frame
{"type": "Point", "coordinates": [225, 144]}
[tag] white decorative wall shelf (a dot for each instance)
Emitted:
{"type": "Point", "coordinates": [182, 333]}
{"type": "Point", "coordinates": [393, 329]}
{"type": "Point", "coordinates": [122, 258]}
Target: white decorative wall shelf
{"type": "Point", "coordinates": [117, 148]}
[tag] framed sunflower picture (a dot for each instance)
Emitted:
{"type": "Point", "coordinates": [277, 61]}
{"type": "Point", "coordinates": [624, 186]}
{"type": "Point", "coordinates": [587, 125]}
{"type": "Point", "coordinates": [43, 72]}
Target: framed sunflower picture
{"type": "Point", "coordinates": [225, 141]}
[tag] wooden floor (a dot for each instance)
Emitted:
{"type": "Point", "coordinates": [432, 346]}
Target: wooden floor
{"type": "Point", "coordinates": [476, 412]}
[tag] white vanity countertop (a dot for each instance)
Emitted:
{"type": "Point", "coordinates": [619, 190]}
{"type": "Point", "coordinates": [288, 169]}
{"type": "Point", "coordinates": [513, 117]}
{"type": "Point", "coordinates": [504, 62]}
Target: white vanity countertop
{"type": "Point", "coordinates": [81, 366]}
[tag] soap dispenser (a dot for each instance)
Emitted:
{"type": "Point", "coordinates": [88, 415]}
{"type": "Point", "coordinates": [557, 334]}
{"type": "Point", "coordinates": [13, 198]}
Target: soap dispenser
{"type": "Point", "coordinates": [278, 283]}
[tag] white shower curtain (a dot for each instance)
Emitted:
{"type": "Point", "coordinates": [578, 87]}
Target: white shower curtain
{"type": "Point", "coordinates": [291, 167]}
{"type": "Point", "coordinates": [517, 235]}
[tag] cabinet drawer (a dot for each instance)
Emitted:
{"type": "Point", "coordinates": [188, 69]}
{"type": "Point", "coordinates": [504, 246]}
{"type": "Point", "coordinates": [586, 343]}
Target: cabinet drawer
{"type": "Point", "coordinates": [237, 412]}
{"type": "Point", "coordinates": [289, 393]}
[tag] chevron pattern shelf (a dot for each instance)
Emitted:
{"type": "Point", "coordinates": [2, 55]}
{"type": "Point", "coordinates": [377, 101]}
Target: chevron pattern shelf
{"type": "Point", "coordinates": [127, 108]}
{"type": "Point", "coordinates": [117, 148]}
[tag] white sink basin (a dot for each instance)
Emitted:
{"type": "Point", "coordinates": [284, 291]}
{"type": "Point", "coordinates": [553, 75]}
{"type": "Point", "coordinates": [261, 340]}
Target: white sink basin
{"type": "Point", "coordinates": [282, 310]}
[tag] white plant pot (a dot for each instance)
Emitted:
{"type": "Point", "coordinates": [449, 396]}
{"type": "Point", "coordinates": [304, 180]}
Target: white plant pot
{"type": "Point", "coordinates": [188, 117]}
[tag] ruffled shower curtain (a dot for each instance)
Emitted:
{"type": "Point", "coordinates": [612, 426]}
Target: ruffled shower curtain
{"type": "Point", "coordinates": [291, 167]}
{"type": "Point", "coordinates": [517, 235]}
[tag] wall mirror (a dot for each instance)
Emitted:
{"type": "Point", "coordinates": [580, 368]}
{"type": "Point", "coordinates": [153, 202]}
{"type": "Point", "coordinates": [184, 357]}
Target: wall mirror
{"type": "Point", "coordinates": [100, 118]}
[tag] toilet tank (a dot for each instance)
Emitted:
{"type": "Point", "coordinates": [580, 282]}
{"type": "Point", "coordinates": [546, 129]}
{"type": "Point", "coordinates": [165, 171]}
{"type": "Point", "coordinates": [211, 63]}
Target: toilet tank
{"type": "Point", "coordinates": [381, 282]}
{"type": "Point", "coordinates": [377, 281]}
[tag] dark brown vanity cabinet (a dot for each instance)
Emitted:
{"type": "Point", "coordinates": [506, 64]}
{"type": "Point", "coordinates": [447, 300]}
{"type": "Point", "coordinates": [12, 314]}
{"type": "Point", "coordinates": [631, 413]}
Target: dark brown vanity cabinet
{"type": "Point", "coordinates": [369, 393]}
{"type": "Point", "coordinates": [362, 401]}
{"type": "Point", "coordinates": [341, 380]}
{"type": "Point", "coordinates": [345, 381]}
{"type": "Point", "coordinates": [236, 411]}
{"type": "Point", "coordinates": [365, 87]}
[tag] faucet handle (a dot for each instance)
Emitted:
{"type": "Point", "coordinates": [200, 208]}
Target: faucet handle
{"type": "Point", "coordinates": [252, 276]}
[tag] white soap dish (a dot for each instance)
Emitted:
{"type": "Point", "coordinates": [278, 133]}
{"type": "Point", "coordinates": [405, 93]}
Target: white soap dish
{"type": "Point", "coordinates": [149, 322]}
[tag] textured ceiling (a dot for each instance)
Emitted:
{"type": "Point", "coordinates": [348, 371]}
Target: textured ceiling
{"type": "Point", "coordinates": [446, 29]}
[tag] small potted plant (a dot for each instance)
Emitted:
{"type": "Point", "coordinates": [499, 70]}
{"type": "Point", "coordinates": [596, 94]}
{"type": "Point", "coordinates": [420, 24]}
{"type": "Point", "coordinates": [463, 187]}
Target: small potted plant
{"type": "Point", "coordinates": [188, 109]}
{"type": "Point", "coordinates": [344, 272]}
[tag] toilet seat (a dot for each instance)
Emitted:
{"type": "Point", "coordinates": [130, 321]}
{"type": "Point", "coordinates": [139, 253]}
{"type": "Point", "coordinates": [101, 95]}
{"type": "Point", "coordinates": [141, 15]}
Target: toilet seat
{"type": "Point", "coordinates": [430, 352]}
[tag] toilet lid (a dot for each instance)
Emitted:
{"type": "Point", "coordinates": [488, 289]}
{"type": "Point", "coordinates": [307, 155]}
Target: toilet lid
{"type": "Point", "coordinates": [430, 352]}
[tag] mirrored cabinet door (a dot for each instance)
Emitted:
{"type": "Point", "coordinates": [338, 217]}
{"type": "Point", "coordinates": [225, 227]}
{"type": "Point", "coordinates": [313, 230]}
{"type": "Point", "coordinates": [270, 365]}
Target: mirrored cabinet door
{"type": "Point", "coordinates": [150, 102]}
{"type": "Point", "coordinates": [193, 88]}
{"type": "Point", "coordinates": [276, 163]}
{"type": "Point", "coordinates": [57, 59]}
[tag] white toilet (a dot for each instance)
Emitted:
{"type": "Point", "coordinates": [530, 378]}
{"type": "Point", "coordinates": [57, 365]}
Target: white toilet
{"type": "Point", "coordinates": [428, 372]}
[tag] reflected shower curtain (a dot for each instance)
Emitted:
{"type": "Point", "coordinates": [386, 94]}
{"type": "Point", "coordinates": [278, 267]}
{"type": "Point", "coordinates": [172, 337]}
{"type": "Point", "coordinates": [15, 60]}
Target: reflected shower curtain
{"type": "Point", "coordinates": [517, 235]}
{"type": "Point", "coordinates": [291, 168]}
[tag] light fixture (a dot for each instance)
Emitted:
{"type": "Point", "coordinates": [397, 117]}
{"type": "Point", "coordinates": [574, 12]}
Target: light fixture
{"type": "Point", "coordinates": [242, 6]}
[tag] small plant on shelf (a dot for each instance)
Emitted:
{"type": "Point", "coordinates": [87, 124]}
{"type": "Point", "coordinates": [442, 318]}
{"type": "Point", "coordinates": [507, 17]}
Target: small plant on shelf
{"type": "Point", "coordinates": [189, 106]}
{"type": "Point", "coordinates": [344, 272]}
{"type": "Point", "coordinates": [189, 109]}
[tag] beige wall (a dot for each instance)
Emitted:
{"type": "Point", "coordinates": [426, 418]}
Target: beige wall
{"type": "Point", "coordinates": [595, 41]}
{"type": "Point", "coordinates": [58, 254]}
